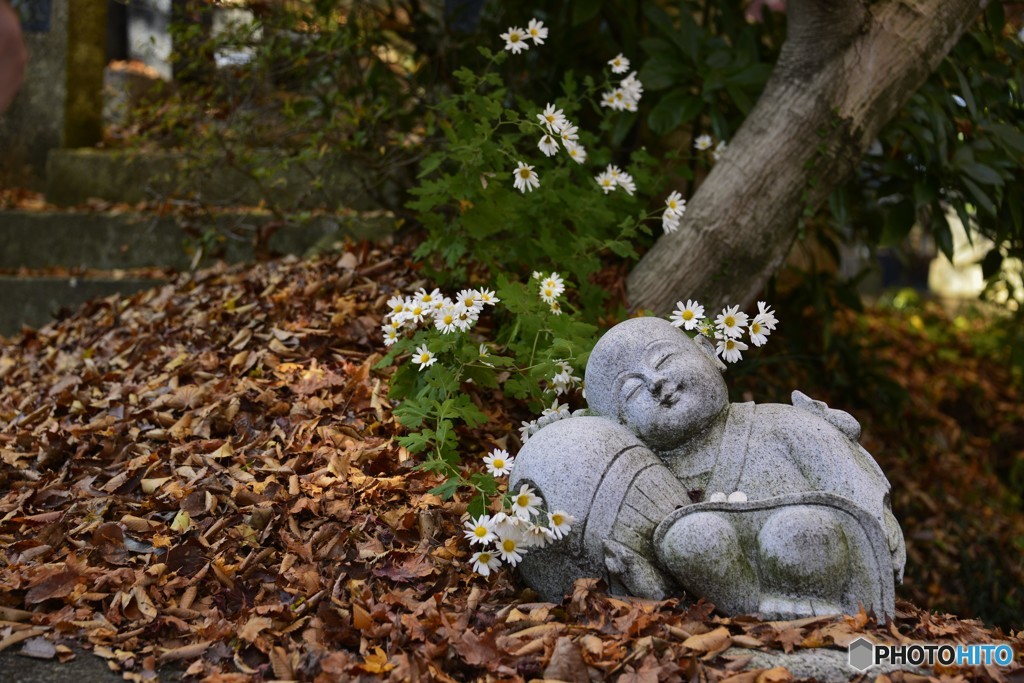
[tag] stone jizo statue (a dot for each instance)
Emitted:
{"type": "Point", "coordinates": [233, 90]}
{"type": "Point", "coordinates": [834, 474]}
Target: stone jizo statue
{"type": "Point", "coordinates": [648, 473]}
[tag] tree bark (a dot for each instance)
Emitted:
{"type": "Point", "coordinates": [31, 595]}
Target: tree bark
{"type": "Point", "coordinates": [846, 69]}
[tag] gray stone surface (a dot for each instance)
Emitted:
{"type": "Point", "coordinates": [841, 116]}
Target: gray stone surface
{"type": "Point", "coordinates": [33, 239]}
{"type": "Point", "coordinates": [820, 664]}
{"type": "Point", "coordinates": [809, 530]}
{"type": "Point", "coordinates": [77, 175]}
{"type": "Point", "coordinates": [34, 302]}
{"type": "Point", "coordinates": [35, 122]}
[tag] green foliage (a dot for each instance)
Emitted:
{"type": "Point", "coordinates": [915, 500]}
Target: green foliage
{"type": "Point", "coordinates": [532, 345]}
{"type": "Point", "coordinates": [477, 221]}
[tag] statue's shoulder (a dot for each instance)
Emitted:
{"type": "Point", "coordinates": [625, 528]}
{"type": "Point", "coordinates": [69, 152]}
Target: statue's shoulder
{"type": "Point", "coordinates": [805, 417]}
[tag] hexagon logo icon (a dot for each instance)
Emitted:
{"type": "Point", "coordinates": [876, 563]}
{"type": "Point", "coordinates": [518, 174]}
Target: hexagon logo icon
{"type": "Point", "coordinates": [862, 654]}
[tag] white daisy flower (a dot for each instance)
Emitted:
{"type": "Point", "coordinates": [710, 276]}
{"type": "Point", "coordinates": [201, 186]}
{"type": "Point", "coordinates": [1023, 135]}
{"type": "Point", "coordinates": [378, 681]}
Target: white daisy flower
{"type": "Point", "coordinates": [428, 299]}
{"type": "Point", "coordinates": [608, 99]}
{"type": "Point", "coordinates": [465, 318]}
{"type": "Point", "coordinates": [484, 562]}
{"type": "Point", "coordinates": [719, 150]}
{"type": "Point", "coordinates": [729, 349]}
{"type": "Point", "coordinates": [549, 145]}
{"type": "Point", "coordinates": [555, 282]}
{"type": "Point", "coordinates": [479, 530]}
{"type": "Point", "coordinates": [632, 88]}
{"type": "Point", "coordinates": [538, 536]}
{"type": "Point", "coordinates": [526, 178]}
{"type": "Point", "coordinates": [396, 304]}
{"type": "Point", "coordinates": [556, 308]}
{"type": "Point", "coordinates": [390, 336]}
{"type": "Point", "coordinates": [499, 463]}
{"type": "Point", "coordinates": [605, 181]}
{"type": "Point", "coordinates": [619, 64]}
{"type": "Point", "coordinates": [415, 311]}
{"type": "Point", "coordinates": [445, 320]}
{"type": "Point", "coordinates": [669, 222]}
{"type": "Point", "coordinates": [470, 298]}
{"type": "Point", "coordinates": [766, 316]}
{"type": "Point", "coordinates": [675, 204]}
{"type": "Point", "coordinates": [576, 152]}
{"type": "Point", "coordinates": [525, 503]}
{"type": "Point", "coordinates": [553, 118]}
{"type": "Point", "coordinates": [525, 429]}
{"type": "Point", "coordinates": [731, 321]}
{"type": "Point", "coordinates": [688, 315]}
{"type": "Point", "coordinates": [702, 142]}
{"type": "Point", "coordinates": [625, 181]}
{"type": "Point", "coordinates": [515, 40]}
{"type": "Point", "coordinates": [487, 297]}
{"type": "Point", "coordinates": [569, 133]}
{"type": "Point", "coordinates": [511, 548]}
{"type": "Point", "coordinates": [758, 332]}
{"type": "Point", "coordinates": [537, 31]}
{"type": "Point", "coordinates": [506, 524]}
{"type": "Point", "coordinates": [560, 523]}
{"type": "Point", "coordinates": [557, 409]}
{"type": "Point", "coordinates": [423, 357]}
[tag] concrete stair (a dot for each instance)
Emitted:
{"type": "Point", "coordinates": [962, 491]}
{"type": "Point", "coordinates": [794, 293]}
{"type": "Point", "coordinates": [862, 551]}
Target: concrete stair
{"type": "Point", "coordinates": [54, 260]}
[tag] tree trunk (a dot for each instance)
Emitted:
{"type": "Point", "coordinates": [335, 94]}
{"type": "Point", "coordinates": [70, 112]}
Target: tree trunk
{"type": "Point", "coordinates": [847, 67]}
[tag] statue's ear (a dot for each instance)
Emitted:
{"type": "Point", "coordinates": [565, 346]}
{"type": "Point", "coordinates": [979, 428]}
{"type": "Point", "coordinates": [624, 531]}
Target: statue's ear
{"type": "Point", "coordinates": [705, 345]}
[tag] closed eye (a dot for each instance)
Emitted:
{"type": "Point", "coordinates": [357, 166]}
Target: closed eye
{"type": "Point", "coordinates": [661, 361]}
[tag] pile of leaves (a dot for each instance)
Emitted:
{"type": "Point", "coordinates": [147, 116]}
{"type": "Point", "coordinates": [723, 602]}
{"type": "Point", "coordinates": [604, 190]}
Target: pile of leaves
{"type": "Point", "coordinates": [205, 476]}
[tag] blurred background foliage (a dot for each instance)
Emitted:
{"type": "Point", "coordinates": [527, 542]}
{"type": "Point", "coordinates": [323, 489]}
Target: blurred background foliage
{"type": "Point", "coordinates": [356, 84]}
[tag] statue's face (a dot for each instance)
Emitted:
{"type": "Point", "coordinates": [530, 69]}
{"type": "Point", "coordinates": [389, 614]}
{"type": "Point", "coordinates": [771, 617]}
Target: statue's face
{"type": "Point", "coordinates": [658, 382]}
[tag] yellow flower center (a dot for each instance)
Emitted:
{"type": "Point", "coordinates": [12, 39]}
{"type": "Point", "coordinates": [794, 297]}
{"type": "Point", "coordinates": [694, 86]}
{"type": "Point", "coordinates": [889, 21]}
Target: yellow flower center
{"type": "Point", "coordinates": [424, 358]}
{"type": "Point", "coordinates": [730, 321]}
{"type": "Point", "coordinates": [483, 558]}
{"type": "Point", "coordinates": [730, 345]}
{"type": "Point", "coordinates": [514, 37]}
{"type": "Point", "coordinates": [523, 501]}
{"type": "Point", "coordinates": [468, 302]}
{"type": "Point", "coordinates": [756, 328]}
{"type": "Point", "coordinates": [448, 319]}
{"type": "Point", "coordinates": [557, 520]}
{"type": "Point", "coordinates": [499, 463]}
{"type": "Point", "coordinates": [549, 292]}
{"type": "Point", "coordinates": [687, 315]}
{"type": "Point", "coordinates": [480, 531]}
{"type": "Point", "coordinates": [508, 545]}
{"type": "Point", "coordinates": [524, 173]}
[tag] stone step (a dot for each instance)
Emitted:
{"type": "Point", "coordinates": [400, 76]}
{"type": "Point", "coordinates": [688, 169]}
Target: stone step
{"type": "Point", "coordinates": [74, 176]}
{"type": "Point", "coordinates": [112, 240]}
{"type": "Point", "coordinates": [34, 301]}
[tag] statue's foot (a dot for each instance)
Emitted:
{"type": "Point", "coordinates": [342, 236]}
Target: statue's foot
{"type": "Point", "coordinates": [783, 607]}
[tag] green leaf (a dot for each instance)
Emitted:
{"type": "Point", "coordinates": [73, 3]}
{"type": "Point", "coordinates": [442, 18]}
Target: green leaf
{"type": "Point", "coordinates": [584, 10]}
{"type": "Point", "coordinates": [943, 235]}
{"type": "Point", "coordinates": [983, 174]}
{"type": "Point", "coordinates": [674, 109]}
{"type": "Point", "coordinates": [983, 199]}
{"type": "Point", "coordinates": [417, 441]}
{"type": "Point", "coordinates": [965, 92]}
{"type": "Point", "coordinates": [446, 490]}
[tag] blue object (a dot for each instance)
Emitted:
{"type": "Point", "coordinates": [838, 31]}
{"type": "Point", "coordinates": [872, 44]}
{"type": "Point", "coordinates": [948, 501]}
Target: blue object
{"type": "Point", "coordinates": [35, 14]}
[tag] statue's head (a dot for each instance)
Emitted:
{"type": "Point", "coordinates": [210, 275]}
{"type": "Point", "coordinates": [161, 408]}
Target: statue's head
{"type": "Point", "coordinates": [651, 377]}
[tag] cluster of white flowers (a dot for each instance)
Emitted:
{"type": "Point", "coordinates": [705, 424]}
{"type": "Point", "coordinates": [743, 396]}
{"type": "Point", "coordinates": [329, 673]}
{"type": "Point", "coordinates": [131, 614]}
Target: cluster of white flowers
{"type": "Point", "coordinates": [564, 381]}
{"type": "Point", "coordinates": [728, 327]}
{"type": "Point", "coordinates": [704, 143]}
{"type": "Point", "coordinates": [551, 287]}
{"type": "Point", "coordinates": [556, 412]}
{"type": "Point", "coordinates": [516, 38]}
{"type": "Point", "coordinates": [627, 95]}
{"type": "Point", "coordinates": [446, 314]}
{"type": "Point", "coordinates": [507, 536]}
{"type": "Point", "coordinates": [557, 129]}
{"type": "Point", "coordinates": [613, 177]}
